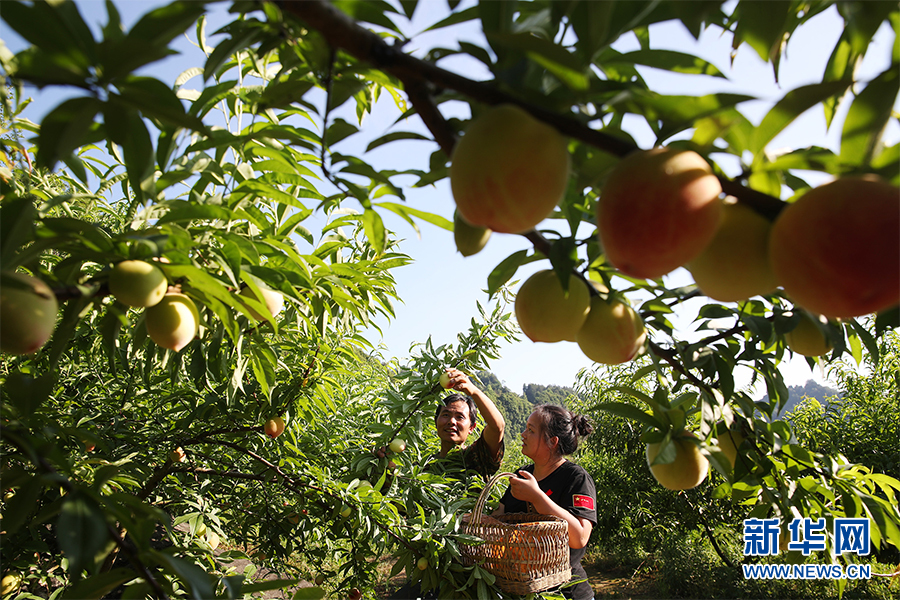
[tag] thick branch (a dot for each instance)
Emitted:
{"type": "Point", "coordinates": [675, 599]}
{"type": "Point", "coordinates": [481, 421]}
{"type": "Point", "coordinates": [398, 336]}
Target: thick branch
{"type": "Point", "coordinates": [342, 32]}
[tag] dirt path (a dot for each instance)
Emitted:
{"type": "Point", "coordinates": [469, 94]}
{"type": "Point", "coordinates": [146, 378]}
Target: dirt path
{"type": "Point", "coordinates": [619, 583]}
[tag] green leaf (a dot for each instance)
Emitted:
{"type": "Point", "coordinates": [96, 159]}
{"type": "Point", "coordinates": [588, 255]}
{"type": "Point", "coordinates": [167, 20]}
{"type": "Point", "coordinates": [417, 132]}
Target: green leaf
{"type": "Point", "coordinates": [81, 531]}
{"type": "Point", "coordinates": [469, 14]}
{"type": "Point", "coordinates": [397, 135]}
{"type": "Point", "coordinates": [634, 393]}
{"type": "Point", "coordinates": [100, 585]}
{"type": "Point", "coordinates": [22, 505]}
{"type": "Point", "coordinates": [762, 26]}
{"type": "Point", "coordinates": [868, 117]}
{"type": "Point", "coordinates": [669, 60]}
{"type": "Point", "coordinates": [55, 28]}
{"type": "Point", "coordinates": [138, 152]}
{"type": "Point", "coordinates": [339, 130]}
{"type": "Point", "coordinates": [181, 210]}
{"type": "Point", "coordinates": [496, 17]}
{"type": "Point", "coordinates": [64, 129]}
{"type": "Point", "coordinates": [156, 100]}
{"type": "Point", "coordinates": [505, 270]}
{"type": "Point", "coordinates": [309, 593]}
{"type": "Point", "coordinates": [405, 211]}
{"type": "Point", "coordinates": [241, 37]}
{"type": "Point", "coordinates": [198, 580]}
{"type": "Point", "coordinates": [629, 412]}
{"type": "Point", "coordinates": [786, 110]}
{"type": "Point", "coordinates": [164, 24]}
{"type": "Point", "coordinates": [566, 66]}
{"type": "Point", "coordinates": [17, 217]}
{"type": "Point", "coordinates": [282, 94]}
{"type": "Point", "coordinates": [679, 113]}
{"type": "Point", "coordinates": [887, 320]}
{"type": "Point", "coordinates": [374, 228]}
{"type": "Point", "coordinates": [370, 11]}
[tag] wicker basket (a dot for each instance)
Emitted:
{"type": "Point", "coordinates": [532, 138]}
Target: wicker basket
{"type": "Point", "coordinates": [526, 552]}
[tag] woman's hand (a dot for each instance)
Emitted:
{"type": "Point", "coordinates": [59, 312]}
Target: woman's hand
{"type": "Point", "coordinates": [525, 488]}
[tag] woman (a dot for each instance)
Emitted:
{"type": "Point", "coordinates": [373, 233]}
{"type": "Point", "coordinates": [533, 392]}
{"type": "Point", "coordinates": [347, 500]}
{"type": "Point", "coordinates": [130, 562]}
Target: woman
{"type": "Point", "coordinates": [555, 486]}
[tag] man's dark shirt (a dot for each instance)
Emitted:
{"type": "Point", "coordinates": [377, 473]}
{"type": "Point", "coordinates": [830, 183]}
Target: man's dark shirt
{"type": "Point", "coordinates": [477, 457]}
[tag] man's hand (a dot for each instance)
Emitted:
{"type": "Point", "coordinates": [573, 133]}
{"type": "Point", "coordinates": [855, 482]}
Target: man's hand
{"type": "Point", "coordinates": [460, 382]}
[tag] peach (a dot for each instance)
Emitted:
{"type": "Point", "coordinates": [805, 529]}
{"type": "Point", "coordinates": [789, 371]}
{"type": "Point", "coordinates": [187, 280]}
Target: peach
{"type": "Point", "coordinates": [273, 300]}
{"type": "Point", "coordinates": [137, 283]}
{"type": "Point", "coordinates": [835, 249]}
{"type": "Point", "coordinates": [173, 322]}
{"type": "Point", "coordinates": [274, 427]}
{"type": "Point", "coordinates": [469, 239]}
{"type": "Point", "coordinates": [613, 332]}
{"type": "Point", "coordinates": [687, 471]}
{"type": "Point", "coordinates": [658, 210]}
{"type": "Point", "coordinates": [807, 338]}
{"type": "Point", "coordinates": [27, 314]}
{"type": "Point", "coordinates": [729, 441]}
{"type": "Point", "coordinates": [509, 170]}
{"type": "Point", "coordinates": [735, 265]}
{"type": "Point", "coordinates": [546, 313]}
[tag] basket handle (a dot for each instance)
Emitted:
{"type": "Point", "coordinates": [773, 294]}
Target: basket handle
{"type": "Point", "coordinates": [483, 496]}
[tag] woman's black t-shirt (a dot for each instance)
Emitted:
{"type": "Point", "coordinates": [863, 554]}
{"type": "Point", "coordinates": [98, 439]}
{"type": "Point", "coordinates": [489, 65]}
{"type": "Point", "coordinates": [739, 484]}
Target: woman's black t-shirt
{"type": "Point", "coordinates": [572, 488]}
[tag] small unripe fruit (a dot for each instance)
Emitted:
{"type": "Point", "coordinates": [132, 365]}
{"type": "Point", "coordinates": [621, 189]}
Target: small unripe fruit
{"type": "Point", "coordinates": [470, 239]}
{"type": "Point", "coordinates": [546, 313]}
{"type": "Point", "coordinates": [364, 486]}
{"type": "Point", "coordinates": [137, 283]}
{"type": "Point", "coordinates": [345, 512]}
{"type": "Point", "coordinates": [687, 471]}
{"type": "Point", "coordinates": [274, 427]}
{"type": "Point", "coordinates": [807, 338]}
{"type": "Point", "coordinates": [294, 518]}
{"type": "Point", "coordinates": [444, 380]}
{"type": "Point", "coordinates": [735, 265]}
{"type": "Point", "coordinates": [212, 538]}
{"type": "Point", "coordinates": [273, 300]}
{"type": "Point", "coordinates": [834, 250]}
{"type": "Point", "coordinates": [201, 530]}
{"type": "Point", "coordinates": [613, 332]}
{"type": "Point", "coordinates": [397, 445]}
{"type": "Point", "coordinates": [422, 563]}
{"type": "Point", "coordinates": [27, 315]}
{"type": "Point", "coordinates": [89, 446]}
{"type": "Point", "coordinates": [177, 455]}
{"type": "Point", "coordinates": [658, 210]}
{"type": "Point", "coordinates": [320, 579]}
{"type": "Point", "coordinates": [509, 170]}
{"type": "Point", "coordinates": [354, 594]}
{"type": "Point", "coordinates": [173, 322]}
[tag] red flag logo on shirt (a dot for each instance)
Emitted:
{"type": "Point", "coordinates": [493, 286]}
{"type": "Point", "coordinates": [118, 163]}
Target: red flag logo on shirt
{"type": "Point", "coordinates": [580, 501]}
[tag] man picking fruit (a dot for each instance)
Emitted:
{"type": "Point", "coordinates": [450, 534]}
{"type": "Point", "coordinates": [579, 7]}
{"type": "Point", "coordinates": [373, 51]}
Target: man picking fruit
{"type": "Point", "coordinates": [456, 418]}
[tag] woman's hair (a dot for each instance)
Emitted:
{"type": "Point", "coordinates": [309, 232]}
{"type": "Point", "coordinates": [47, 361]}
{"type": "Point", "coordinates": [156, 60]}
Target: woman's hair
{"type": "Point", "coordinates": [557, 422]}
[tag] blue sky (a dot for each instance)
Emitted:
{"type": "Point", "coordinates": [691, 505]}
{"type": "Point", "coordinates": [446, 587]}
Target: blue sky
{"type": "Point", "coordinates": [441, 288]}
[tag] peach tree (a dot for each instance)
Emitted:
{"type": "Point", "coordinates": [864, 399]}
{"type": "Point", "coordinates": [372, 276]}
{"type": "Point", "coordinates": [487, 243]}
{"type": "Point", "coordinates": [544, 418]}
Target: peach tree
{"type": "Point", "coordinates": [228, 180]}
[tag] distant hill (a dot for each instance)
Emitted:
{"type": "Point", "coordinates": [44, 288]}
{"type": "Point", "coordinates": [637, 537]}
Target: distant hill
{"type": "Point", "coordinates": [811, 389]}
{"type": "Point", "coordinates": [516, 407]}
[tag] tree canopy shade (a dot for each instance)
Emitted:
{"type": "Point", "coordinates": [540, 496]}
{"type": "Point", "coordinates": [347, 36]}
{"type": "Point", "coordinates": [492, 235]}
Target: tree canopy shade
{"type": "Point", "coordinates": [228, 182]}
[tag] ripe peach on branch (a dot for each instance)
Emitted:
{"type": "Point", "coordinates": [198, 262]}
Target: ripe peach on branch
{"type": "Point", "coordinates": [509, 170]}
{"type": "Point", "coordinates": [658, 209]}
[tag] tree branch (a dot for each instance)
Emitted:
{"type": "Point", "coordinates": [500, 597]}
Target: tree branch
{"type": "Point", "coordinates": [343, 32]}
